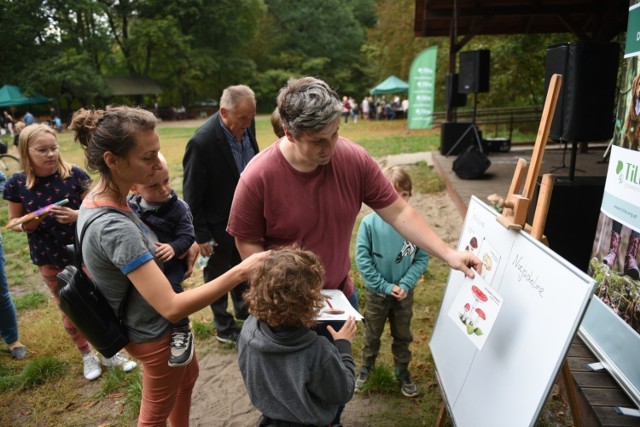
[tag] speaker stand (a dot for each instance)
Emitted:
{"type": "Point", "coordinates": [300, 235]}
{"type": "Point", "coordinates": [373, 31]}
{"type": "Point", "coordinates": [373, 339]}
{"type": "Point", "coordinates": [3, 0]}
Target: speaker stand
{"type": "Point", "coordinates": [472, 127]}
{"type": "Point", "coordinates": [572, 164]}
{"type": "Point", "coordinates": [563, 165]}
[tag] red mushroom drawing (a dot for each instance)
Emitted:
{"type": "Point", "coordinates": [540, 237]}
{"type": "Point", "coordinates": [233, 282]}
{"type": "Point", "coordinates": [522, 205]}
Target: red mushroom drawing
{"type": "Point", "coordinates": [464, 316]}
{"type": "Point", "coordinates": [478, 295]}
{"type": "Point", "coordinates": [479, 315]}
{"type": "Point", "coordinates": [474, 243]}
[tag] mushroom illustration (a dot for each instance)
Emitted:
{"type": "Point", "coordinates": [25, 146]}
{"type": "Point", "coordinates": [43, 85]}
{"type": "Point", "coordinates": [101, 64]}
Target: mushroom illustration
{"type": "Point", "coordinates": [478, 295]}
{"type": "Point", "coordinates": [486, 261]}
{"type": "Point", "coordinates": [464, 316]}
{"type": "Point", "coordinates": [479, 315]}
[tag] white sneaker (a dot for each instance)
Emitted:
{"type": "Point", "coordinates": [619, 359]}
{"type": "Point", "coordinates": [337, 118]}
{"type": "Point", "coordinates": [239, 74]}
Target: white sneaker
{"type": "Point", "coordinates": [119, 360]}
{"type": "Point", "coordinates": [91, 368]}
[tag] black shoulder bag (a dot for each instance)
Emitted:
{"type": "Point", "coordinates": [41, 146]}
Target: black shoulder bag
{"type": "Point", "coordinates": [88, 309]}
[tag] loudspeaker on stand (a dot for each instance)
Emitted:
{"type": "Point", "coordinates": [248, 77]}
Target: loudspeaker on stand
{"type": "Point", "coordinates": [474, 71]}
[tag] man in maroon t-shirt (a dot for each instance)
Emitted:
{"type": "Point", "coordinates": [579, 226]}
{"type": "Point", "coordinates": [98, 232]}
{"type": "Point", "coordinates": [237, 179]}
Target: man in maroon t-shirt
{"type": "Point", "coordinates": [308, 187]}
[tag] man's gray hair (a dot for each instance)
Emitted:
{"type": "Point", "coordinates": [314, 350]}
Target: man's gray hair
{"type": "Point", "coordinates": [308, 104]}
{"type": "Point", "coordinates": [234, 94]}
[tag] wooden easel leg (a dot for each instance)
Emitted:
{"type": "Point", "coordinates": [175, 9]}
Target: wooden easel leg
{"type": "Point", "coordinates": [572, 394]}
{"type": "Point", "coordinates": [442, 415]}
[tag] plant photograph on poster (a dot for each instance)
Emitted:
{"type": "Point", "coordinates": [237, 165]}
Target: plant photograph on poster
{"type": "Point", "coordinates": [614, 266]}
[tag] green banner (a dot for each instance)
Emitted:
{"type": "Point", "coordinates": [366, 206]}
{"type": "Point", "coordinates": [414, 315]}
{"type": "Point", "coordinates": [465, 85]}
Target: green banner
{"type": "Point", "coordinates": [632, 46]}
{"type": "Point", "coordinates": [422, 83]}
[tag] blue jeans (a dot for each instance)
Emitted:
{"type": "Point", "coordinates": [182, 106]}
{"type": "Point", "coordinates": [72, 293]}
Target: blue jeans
{"type": "Point", "coordinates": [8, 320]}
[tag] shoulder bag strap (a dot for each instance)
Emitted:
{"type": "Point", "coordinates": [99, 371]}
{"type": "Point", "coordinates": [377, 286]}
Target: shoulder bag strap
{"type": "Point", "coordinates": [78, 249]}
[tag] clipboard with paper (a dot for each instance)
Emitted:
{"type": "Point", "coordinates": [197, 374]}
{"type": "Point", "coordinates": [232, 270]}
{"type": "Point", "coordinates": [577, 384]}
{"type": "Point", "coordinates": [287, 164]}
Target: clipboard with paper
{"type": "Point", "coordinates": [336, 307]}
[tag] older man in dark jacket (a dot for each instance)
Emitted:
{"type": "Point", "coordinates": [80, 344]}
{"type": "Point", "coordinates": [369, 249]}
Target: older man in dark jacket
{"type": "Point", "coordinates": [213, 160]}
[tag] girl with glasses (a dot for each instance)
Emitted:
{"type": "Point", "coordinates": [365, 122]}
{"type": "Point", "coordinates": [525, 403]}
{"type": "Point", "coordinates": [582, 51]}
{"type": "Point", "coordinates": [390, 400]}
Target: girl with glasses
{"type": "Point", "coordinates": [45, 179]}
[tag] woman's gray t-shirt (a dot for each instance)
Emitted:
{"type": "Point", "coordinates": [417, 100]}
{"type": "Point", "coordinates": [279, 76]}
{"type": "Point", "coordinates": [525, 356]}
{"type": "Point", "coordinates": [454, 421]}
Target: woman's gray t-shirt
{"type": "Point", "coordinates": [114, 245]}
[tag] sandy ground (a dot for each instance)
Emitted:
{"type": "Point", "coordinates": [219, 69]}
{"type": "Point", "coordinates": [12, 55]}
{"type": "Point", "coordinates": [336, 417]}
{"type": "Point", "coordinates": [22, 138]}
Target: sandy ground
{"type": "Point", "coordinates": [220, 397]}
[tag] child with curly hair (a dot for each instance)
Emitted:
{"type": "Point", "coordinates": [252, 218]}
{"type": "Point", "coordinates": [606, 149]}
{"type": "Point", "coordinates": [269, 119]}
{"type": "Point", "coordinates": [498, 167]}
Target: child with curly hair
{"type": "Point", "coordinates": [292, 374]}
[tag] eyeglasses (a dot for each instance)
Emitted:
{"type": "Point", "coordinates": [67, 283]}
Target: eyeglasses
{"type": "Point", "coordinates": [42, 151]}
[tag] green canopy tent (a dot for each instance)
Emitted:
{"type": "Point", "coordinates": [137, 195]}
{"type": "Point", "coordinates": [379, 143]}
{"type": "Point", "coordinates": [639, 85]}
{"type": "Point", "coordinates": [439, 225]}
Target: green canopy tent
{"type": "Point", "coordinates": [12, 96]}
{"type": "Point", "coordinates": [391, 85]}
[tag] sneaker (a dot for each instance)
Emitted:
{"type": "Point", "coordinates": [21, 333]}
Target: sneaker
{"type": "Point", "coordinates": [119, 360]}
{"type": "Point", "coordinates": [19, 352]}
{"type": "Point", "coordinates": [230, 337]}
{"type": "Point", "coordinates": [181, 347]}
{"type": "Point", "coordinates": [407, 387]}
{"type": "Point", "coordinates": [361, 381]}
{"type": "Point", "coordinates": [91, 368]}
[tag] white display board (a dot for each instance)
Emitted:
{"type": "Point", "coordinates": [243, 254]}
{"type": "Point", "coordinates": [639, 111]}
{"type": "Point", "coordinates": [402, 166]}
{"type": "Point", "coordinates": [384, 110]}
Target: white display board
{"type": "Point", "coordinates": [544, 298]}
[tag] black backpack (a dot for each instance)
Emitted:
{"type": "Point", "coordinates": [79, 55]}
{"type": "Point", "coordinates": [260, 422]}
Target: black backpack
{"type": "Point", "coordinates": [88, 309]}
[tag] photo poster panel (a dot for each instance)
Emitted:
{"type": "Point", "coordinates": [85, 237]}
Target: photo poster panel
{"type": "Point", "coordinates": [543, 297]}
{"type": "Point", "coordinates": [611, 327]}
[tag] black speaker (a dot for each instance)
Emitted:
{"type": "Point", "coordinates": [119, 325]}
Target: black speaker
{"type": "Point", "coordinates": [450, 134]}
{"type": "Point", "coordinates": [571, 233]}
{"type": "Point", "coordinates": [590, 71]}
{"type": "Point", "coordinates": [472, 164]}
{"type": "Point", "coordinates": [474, 71]}
{"type": "Point", "coordinates": [453, 97]}
{"type": "Point", "coordinates": [556, 63]}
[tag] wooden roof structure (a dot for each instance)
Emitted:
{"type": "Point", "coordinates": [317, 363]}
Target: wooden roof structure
{"type": "Point", "coordinates": [586, 19]}
{"type": "Point", "coordinates": [461, 20]}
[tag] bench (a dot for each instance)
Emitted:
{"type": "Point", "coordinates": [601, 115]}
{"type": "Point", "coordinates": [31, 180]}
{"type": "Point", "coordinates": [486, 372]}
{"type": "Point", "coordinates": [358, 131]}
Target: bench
{"type": "Point", "coordinates": [597, 394]}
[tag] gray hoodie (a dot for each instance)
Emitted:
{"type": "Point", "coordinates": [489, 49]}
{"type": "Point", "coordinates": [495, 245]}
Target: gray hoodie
{"type": "Point", "coordinates": [295, 375]}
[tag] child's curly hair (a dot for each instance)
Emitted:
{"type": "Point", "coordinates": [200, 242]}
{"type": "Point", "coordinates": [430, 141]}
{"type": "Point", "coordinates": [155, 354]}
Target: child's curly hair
{"type": "Point", "coordinates": [285, 289]}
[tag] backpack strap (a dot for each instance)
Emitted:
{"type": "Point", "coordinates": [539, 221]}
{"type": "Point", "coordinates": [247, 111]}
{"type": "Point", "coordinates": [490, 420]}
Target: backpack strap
{"type": "Point", "coordinates": [78, 250]}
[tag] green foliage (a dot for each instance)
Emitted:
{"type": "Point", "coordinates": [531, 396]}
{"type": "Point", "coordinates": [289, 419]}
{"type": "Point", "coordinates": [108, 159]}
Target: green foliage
{"type": "Point", "coordinates": [385, 145]}
{"type": "Point", "coordinates": [392, 45]}
{"type": "Point", "coordinates": [116, 380]}
{"type": "Point", "coordinates": [35, 372]}
{"type": "Point", "coordinates": [9, 377]}
{"type": "Point", "coordinates": [517, 67]}
{"type": "Point", "coordinates": [30, 300]}
{"type": "Point", "coordinates": [194, 49]}
{"type": "Point", "coordinates": [24, 38]}
{"type": "Point", "coordinates": [40, 371]}
{"type": "Point", "coordinates": [425, 180]}
{"type": "Point", "coordinates": [327, 46]}
{"type": "Point", "coordinates": [202, 330]}
{"type": "Point", "coordinates": [134, 394]}
{"type": "Point", "coordinates": [381, 379]}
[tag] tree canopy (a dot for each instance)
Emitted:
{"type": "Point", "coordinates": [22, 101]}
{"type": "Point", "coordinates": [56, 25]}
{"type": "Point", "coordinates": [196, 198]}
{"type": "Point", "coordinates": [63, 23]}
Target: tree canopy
{"type": "Point", "coordinates": [193, 49]}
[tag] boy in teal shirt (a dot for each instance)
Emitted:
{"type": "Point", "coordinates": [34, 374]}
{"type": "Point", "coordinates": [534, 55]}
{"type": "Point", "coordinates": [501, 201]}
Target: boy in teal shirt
{"type": "Point", "coordinates": [390, 266]}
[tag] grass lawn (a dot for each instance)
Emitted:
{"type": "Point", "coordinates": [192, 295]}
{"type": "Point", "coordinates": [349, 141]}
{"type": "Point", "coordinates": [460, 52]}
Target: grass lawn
{"type": "Point", "coordinates": [47, 388]}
